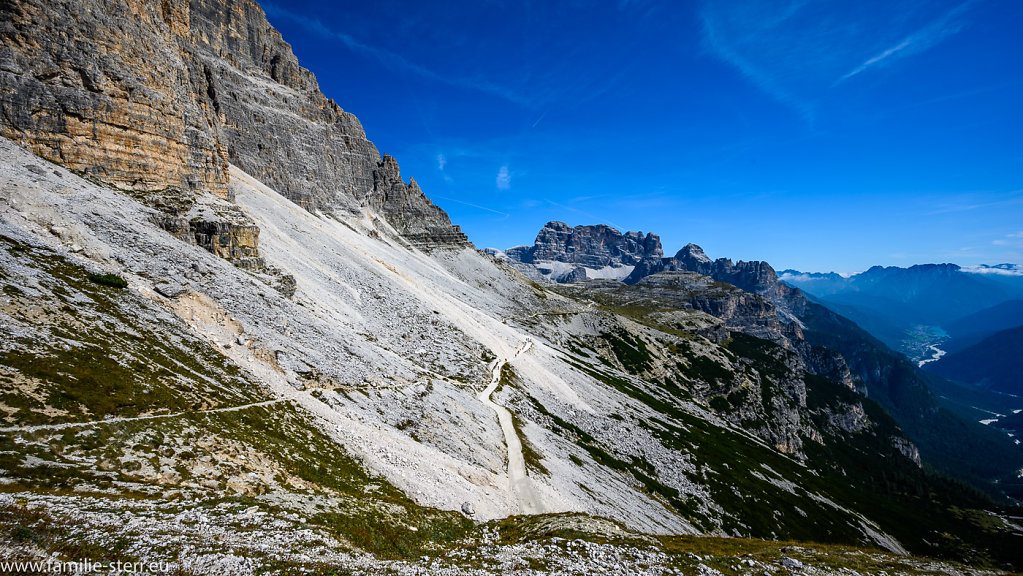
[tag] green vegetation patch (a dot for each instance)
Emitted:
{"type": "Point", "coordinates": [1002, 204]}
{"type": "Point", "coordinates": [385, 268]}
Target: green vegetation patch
{"type": "Point", "coordinates": [103, 359]}
{"type": "Point", "coordinates": [630, 351]}
{"type": "Point", "coordinates": [767, 357]}
{"type": "Point", "coordinates": [112, 280]}
{"type": "Point", "coordinates": [37, 529]}
{"type": "Point", "coordinates": [386, 522]}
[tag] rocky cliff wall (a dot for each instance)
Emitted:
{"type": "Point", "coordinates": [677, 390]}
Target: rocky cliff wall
{"type": "Point", "coordinates": [594, 246]}
{"type": "Point", "coordinates": [105, 87]}
{"type": "Point", "coordinates": [755, 276]}
{"type": "Point", "coordinates": [156, 95]}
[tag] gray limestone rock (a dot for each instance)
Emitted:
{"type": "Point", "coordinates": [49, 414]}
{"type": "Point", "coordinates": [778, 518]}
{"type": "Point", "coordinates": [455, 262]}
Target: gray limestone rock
{"type": "Point", "coordinates": [595, 247]}
{"type": "Point", "coordinates": [169, 288]}
{"type": "Point", "coordinates": [756, 276]}
{"type": "Point", "coordinates": [791, 563]}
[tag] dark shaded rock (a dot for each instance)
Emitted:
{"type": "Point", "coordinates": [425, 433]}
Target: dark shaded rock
{"type": "Point", "coordinates": [741, 310]}
{"type": "Point", "coordinates": [283, 283]}
{"type": "Point", "coordinates": [593, 246]}
{"type": "Point", "coordinates": [226, 239]}
{"type": "Point", "coordinates": [578, 274]}
{"type": "Point", "coordinates": [522, 254]}
{"type": "Point", "coordinates": [755, 276]}
{"type": "Point", "coordinates": [177, 226]}
{"type": "Point", "coordinates": [281, 129]}
{"type": "Point", "coordinates": [169, 288]}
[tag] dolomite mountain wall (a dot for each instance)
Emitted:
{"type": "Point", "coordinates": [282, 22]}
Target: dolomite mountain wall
{"type": "Point", "coordinates": [111, 92]}
{"type": "Point", "coordinates": [755, 276]}
{"type": "Point", "coordinates": [158, 97]}
{"type": "Point", "coordinates": [591, 246]}
{"type": "Point", "coordinates": [597, 247]}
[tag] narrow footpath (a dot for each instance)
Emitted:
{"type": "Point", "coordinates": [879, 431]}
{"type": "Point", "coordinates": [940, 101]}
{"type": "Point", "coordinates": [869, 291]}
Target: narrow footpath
{"type": "Point", "coordinates": [65, 425]}
{"type": "Point", "coordinates": [519, 482]}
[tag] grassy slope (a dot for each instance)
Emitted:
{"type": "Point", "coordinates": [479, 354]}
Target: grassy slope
{"type": "Point", "coordinates": [925, 511]}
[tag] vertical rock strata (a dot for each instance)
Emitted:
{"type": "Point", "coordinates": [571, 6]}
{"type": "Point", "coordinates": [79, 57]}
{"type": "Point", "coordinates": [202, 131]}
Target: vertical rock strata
{"type": "Point", "coordinates": [105, 87]}
{"type": "Point", "coordinates": [158, 96]}
{"type": "Point", "coordinates": [593, 246]}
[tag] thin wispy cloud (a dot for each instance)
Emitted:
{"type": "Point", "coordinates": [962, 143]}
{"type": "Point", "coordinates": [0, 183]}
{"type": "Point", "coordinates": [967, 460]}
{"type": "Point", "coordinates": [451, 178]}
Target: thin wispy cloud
{"type": "Point", "coordinates": [894, 50]}
{"type": "Point", "coordinates": [721, 44]}
{"type": "Point", "coordinates": [503, 178]}
{"type": "Point", "coordinates": [470, 204]}
{"type": "Point", "coordinates": [394, 61]}
{"type": "Point", "coordinates": [972, 202]}
{"type": "Point", "coordinates": [796, 51]}
{"type": "Point", "coordinates": [945, 26]}
{"type": "Point", "coordinates": [1013, 239]}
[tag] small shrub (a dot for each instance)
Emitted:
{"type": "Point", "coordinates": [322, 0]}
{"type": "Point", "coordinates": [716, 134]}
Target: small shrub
{"type": "Point", "coordinates": [719, 403]}
{"type": "Point", "coordinates": [22, 534]}
{"type": "Point", "coordinates": [112, 280]}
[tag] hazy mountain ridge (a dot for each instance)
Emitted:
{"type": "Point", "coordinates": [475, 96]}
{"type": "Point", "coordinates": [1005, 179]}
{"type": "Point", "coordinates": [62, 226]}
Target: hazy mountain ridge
{"type": "Point", "coordinates": [971, 329]}
{"type": "Point", "coordinates": [993, 363]}
{"type": "Point", "coordinates": [928, 312]}
{"type": "Point", "coordinates": [263, 380]}
{"type": "Point", "coordinates": [902, 306]}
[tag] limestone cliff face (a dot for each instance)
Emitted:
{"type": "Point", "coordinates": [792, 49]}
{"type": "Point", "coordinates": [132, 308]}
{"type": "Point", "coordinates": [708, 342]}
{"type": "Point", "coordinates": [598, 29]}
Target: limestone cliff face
{"type": "Point", "coordinates": [105, 87]}
{"type": "Point", "coordinates": [277, 124]}
{"type": "Point", "coordinates": [279, 127]}
{"type": "Point", "coordinates": [154, 95]}
{"type": "Point", "coordinates": [741, 311]}
{"type": "Point", "coordinates": [409, 210]}
{"type": "Point", "coordinates": [594, 247]}
{"type": "Point", "coordinates": [755, 276]}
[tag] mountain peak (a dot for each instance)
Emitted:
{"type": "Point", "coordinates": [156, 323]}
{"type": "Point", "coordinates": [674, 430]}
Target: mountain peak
{"type": "Point", "coordinates": [693, 253]}
{"type": "Point", "coordinates": [566, 252]}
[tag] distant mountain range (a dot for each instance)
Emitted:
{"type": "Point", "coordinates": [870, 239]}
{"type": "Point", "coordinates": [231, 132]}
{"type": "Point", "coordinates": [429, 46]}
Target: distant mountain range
{"type": "Point", "coordinates": [971, 329]}
{"type": "Point", "coordinates": [964, 325]}
{"type": "Point", "coordinates": [912, 308]}
{"type": "Point", "coordinates": [939, 423]}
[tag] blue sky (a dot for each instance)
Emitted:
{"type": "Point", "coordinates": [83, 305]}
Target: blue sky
{"type": "Point", "coordinates": [817, 135]}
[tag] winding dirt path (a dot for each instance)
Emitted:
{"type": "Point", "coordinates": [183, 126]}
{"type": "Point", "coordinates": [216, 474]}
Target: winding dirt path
{"type": "Point", "coordinates": [116, 420]}
{"type": "Point", "coordinates": [529, 502]}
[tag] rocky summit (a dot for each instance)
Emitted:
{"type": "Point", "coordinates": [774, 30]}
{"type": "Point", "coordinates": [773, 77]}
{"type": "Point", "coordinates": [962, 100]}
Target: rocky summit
{"type": "Point", "coordinates": [598, 251]}
{"type": "Point", "coordinates": [235, 340]}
